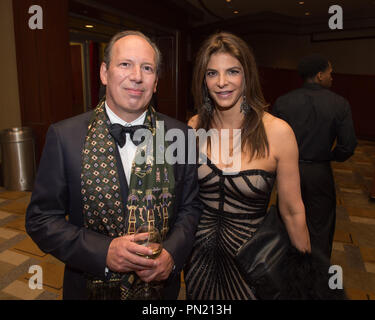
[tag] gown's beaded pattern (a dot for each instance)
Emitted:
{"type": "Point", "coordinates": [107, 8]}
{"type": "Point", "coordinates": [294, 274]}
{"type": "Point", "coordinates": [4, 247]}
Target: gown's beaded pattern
{"type": "Point", "coordinates": [234, 207]}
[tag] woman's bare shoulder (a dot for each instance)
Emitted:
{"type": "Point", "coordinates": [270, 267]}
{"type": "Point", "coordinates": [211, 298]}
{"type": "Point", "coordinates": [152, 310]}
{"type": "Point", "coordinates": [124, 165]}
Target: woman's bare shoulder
{"type": "Point", "coordinates": [193, 121]}
{"type": "Point", "coordinates": [275, 125]}
{"type": "Point", "coordinates": [277, 129]}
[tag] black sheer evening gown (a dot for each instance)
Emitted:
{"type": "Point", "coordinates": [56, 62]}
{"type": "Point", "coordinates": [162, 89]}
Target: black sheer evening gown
{"type": "Point", "coordinates": [234, 207]}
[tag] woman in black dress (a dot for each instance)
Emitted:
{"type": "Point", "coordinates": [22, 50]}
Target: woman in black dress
{"type": "Point", "coordinates": [228, 96]}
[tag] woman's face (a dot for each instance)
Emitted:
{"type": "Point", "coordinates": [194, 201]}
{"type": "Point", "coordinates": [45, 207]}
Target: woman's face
{"type": "Point", "coordinates": [225, 80]}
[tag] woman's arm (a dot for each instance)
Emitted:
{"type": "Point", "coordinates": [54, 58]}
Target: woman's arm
{"type": "Point", "coordinates": [291, 206]}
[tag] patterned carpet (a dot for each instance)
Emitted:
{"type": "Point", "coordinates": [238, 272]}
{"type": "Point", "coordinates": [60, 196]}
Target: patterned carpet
{"type": "Point", "coordinates": [18, 252]}
{"type": "Point", "coordinates": [354, 245]}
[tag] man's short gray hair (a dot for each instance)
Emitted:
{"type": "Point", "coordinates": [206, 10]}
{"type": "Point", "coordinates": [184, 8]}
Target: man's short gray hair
{"type": "Point", "coordinates": [122, 34]}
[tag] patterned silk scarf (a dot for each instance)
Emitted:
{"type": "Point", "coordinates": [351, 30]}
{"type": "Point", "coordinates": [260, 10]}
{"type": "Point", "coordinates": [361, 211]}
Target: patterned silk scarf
{"type": "Point", "coordinates": [151, 194]}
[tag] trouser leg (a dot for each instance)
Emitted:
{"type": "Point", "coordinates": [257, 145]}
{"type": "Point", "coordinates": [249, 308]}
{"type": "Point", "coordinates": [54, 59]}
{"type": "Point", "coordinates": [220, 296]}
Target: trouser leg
{"type": "Point", "coordinates": [319, 197]}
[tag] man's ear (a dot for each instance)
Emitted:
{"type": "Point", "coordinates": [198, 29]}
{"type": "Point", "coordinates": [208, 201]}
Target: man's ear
{"type": "Point", "coordinates": [319, 76]}
{"type": "Point", "coordinates": [103, 73]}
{"type": "Point", "coordinates": [156, 84]}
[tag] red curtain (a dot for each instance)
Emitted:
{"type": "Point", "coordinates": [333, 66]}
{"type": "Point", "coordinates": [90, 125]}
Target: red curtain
{"type": "Point", "coordinates": [94, 73]}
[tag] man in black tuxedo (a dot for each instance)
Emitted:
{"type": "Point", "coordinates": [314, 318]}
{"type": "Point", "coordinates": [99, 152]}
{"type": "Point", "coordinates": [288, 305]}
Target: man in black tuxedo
{"type": "Point", "coordinates": [319, 118]}
{"type": "Point", "coordinates": [90, 196]}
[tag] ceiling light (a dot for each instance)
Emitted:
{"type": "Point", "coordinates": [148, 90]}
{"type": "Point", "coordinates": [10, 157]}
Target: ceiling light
{"type": "Point", "coordinates": [307, 13]}
{"type": "Point", "coordinates": [228, 0]}
{"type": "Point", "coordinates": [236, 12]}
{"type": "Point", "coordinates": [89, 26]}
{"type": "Point", "coordinates": [301, 3]}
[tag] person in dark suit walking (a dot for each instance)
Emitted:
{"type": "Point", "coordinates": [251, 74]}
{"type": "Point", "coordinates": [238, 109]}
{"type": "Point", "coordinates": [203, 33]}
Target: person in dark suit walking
{"type": "Point", "coordinates": [91, 194]}
{"type": "Point", "coordinates": [319, 118]}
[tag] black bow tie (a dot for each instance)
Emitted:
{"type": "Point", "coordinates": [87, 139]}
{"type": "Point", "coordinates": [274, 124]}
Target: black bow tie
{"type": "Point", "coordinates": [118, 132]}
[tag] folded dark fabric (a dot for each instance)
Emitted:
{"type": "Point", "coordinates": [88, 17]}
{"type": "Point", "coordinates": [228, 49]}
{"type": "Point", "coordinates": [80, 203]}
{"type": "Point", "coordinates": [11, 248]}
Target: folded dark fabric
{"type": "Point", "coordinates": [304, 277]}
{"type": "Point", "coordinates": [274, 269]}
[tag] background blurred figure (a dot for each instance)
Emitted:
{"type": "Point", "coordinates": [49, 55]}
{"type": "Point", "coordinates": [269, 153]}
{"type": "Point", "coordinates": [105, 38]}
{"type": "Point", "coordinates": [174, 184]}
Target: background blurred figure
{"type": "Point", "coordinates": [318, 117]}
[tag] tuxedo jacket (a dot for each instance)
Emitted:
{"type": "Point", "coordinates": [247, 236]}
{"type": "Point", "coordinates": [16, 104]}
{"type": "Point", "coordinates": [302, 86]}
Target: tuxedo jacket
{"type": "Point", "coordinates": [54, 217]}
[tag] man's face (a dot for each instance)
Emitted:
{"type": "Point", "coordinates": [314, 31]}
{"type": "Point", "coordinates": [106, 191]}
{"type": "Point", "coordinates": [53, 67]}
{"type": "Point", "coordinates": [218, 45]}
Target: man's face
{"type": "Point", "coordinates": [325, 77]}
{"type": "Point", "coordinates": [130, 78]}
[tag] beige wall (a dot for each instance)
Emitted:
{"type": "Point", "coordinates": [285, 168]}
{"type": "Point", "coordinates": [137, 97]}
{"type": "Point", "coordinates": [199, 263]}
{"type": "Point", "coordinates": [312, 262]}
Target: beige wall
{"type": "Point", "coordinates": [284, 51]}
{"type": "Point", "coordinates": [10, 115]}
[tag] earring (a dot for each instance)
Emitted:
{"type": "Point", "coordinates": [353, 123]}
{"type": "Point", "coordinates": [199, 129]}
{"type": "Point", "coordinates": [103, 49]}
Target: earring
{"type": "Point", "coordinates": [208, 106]}
{"type": "Point", "coordinates": [245, 107]}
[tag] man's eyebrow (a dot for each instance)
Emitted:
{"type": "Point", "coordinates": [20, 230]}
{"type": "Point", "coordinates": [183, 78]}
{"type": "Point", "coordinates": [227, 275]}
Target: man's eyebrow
{"type": "Point", "coordinates": [131, 60]}
{"type": "Point", "coordinates": [150, 63]}
{"type": "Point", "coordinates": [125, 59]}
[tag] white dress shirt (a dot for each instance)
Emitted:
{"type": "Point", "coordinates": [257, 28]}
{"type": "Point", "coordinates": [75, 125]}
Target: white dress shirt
{"type": "Point", "coordinates": [127, 152]}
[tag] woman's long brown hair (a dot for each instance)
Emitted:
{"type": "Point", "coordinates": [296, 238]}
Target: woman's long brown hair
{"type": "Point", "coordinates": [253, 134]}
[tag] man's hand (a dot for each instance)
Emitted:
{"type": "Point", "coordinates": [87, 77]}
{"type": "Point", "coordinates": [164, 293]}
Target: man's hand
{"type": "Point", "coordinates": [161, 271]}
{"type": "Point", "coordinates": [122, 255]}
